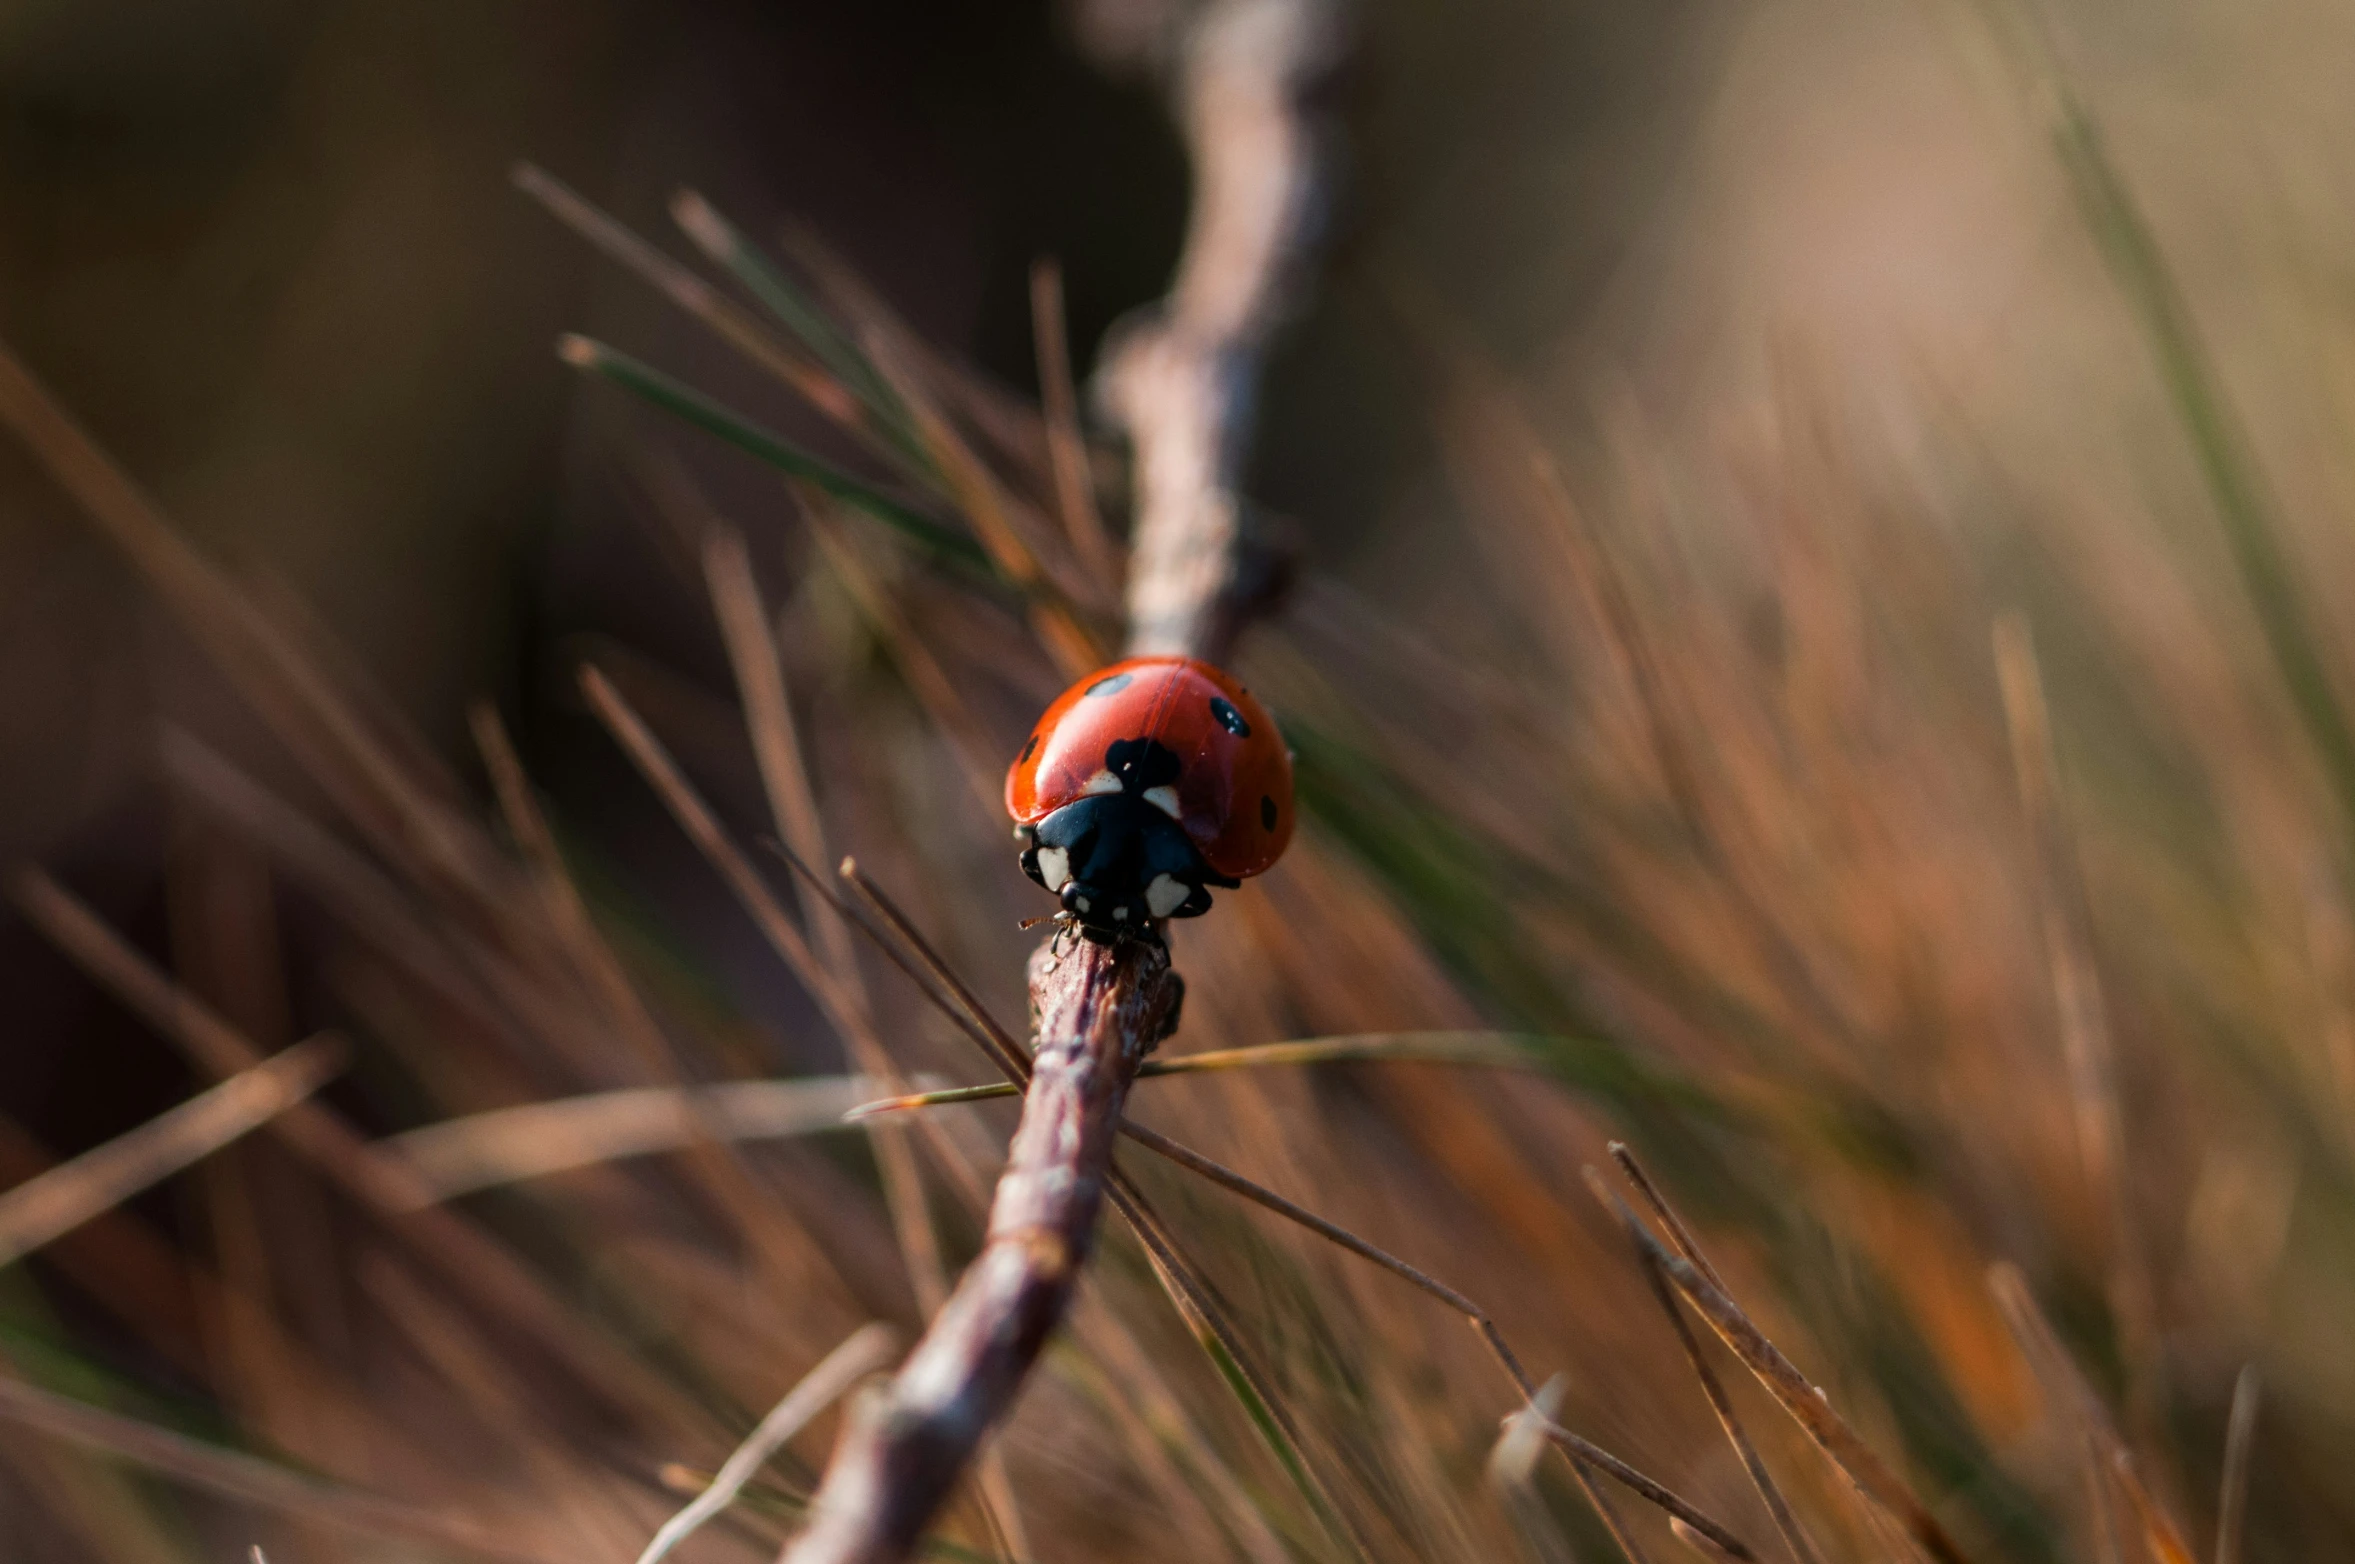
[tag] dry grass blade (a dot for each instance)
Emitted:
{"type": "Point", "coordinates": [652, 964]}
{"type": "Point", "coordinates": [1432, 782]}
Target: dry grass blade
{"type": "Point", "coordinates": [1494, 1050]}
{"type": "Point", "coordinates": [245, 1478]}
{"type": "Point", "coordinates": [1583, 1451]}
{"type": "Point", "coordinates": [71, 1193]}
{"type": "Point", "coordinates": [768, 718]}
{"type": "Point", "coordinates": [374, 1178]}
{"type": "Point", "coordinates": [1190, 1294]}
{"type": "Point", "coordinates": [2086, 1041]}
{"type": "Point", "coordinates": [2240, 1443]}
{"type": "Point", "coordinates": [1512, 1468]}
{"type": "Point", "coordinates": [729, 321]}
{"type": "Point", "coordinates": [1067, 450]}
{"type": "Point", "coordinates": [1794, 1534]}
{"type": "Point", "coordinates": [508, 1145]}
{"type": "Point", "coordinates": [1809, 1407]}
{"type": "Point", "coordinates": [2109, 1459]}
{"type": "Point", "coordinates": [307, 714]}
{"type": "Point", "coordinates": [866, 1349]}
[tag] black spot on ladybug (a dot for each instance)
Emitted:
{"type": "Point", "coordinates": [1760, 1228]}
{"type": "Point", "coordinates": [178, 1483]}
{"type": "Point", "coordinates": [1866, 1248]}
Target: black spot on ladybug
{"type": "Point", "coordinates": [1229, 718]}
{"type": "Point", "coordinates": [1028, 749]}
{"type": "Point", "coordinates": [1141, 763]}
{"type": "Point", "coordinates": [1267, 813]}
{"type": "Point", "coordinates": [1112, 686]}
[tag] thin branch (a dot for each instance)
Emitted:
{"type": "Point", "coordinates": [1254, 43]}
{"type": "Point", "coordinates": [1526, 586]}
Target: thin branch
{"type": "Point", "coordinates": [62, 1199]}
{"type": "Point", "coordinates": [994, 1041]}
{"type": "Point", "coordinates": [901, 1454]}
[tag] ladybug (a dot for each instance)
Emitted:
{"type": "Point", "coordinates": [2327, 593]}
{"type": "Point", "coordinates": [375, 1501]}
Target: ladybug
{"type": "Point", "coordinates": [1144, 785]}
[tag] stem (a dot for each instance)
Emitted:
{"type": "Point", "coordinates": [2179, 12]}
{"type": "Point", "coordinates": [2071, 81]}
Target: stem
{"type": "Point", "coordinates": [1100, 1009]}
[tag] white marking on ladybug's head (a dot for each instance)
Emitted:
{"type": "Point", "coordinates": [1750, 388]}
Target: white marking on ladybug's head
{"type": "Point", "coordinates": [1165, 895]}
{"type": "Point", "coordinates": [1054, 866]}
{"type": "Point", "coordinates": [1080, 902]}
{"type": "Point", "coordinates": [1120, 913]}
{"type": "Point", "coordinates": [1163, 798]}
{"type": "Point", "coordinates": [1101, 782]}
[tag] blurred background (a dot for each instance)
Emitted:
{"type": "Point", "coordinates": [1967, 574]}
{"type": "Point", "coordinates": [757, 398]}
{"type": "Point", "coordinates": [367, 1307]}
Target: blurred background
{"type": "Point", "coordinates": [1820, 614]}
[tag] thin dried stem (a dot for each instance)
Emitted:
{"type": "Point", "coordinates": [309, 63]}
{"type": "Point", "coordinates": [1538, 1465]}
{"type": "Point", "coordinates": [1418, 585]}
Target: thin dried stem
{"type": "Point", "coordinates": [103, 1177]}
{"type": "Point", "coordinates": [865, 1350]}
{"type": "Point", "coordinates": [2108, 1458]}
{"type": "Point", "coordinates": [2086, 1043]}
{"type": "Point", "coordinates": [1583, 1450]}
{"type": "Point", "coordinates": [1491, 1049]}
{"type": "Point", "coordinates": [376, 1179]}
{"type": "Point", "coordinates": [2240, 1443]}
{"type": "Point", "coordinates": [728, 320]}
{"type": "Point", "coordinates": [1189, 1290]}
{"type": "Point", "coordinates": [245, 1478]}
{"type": "Point", "coordinates": [1808, 1406]}
{"type": "Point", "coordinates": [1067, 450]}
{"type": "Point", "coordinates": [1794, 1535]}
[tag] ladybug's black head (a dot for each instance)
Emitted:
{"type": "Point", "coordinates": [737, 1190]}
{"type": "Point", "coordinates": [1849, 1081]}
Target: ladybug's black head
{"type": "Point", "coordinates": [1117, 857]}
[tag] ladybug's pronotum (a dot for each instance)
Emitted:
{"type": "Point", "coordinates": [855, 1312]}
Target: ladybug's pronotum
{"type": "Point", "coordinates": [1143, 786]}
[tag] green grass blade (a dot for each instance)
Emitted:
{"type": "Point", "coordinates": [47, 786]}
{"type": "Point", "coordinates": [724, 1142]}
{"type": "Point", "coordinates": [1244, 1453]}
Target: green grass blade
{"type": "Point", "coordinates": [683, 402]}
{"type": "Point", "coordinates": [796, 311]}
{"type": "Point", "coordinates": [2243, 502]}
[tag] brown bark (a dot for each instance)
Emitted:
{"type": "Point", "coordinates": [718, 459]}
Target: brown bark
{"type": "Point", "coordinates": [1099, 1010]}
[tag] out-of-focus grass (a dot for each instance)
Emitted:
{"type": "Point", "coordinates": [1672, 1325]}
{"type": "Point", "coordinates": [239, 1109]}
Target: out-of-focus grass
{"type": "Point", "coordinates": [1726, 804]}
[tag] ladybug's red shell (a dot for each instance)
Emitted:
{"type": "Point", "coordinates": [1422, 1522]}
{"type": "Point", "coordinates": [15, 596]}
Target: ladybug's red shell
{"type": "Point", "coordinates": [1234, 786]}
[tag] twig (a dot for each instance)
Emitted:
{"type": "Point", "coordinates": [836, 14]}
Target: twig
{"type": "Point", "coordinates": [2240, 1441]}
{"type": "Point", "coordinates": [900, 1456]}
{"type": "Point", "coordinates": [993, 1040]}
{"type": "Point", "coordinates": [1182, 383]}
{"type": "Point", "coordinates": [101, 1178]}
{"type": "Point", "coordinates": [866, 1349]}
